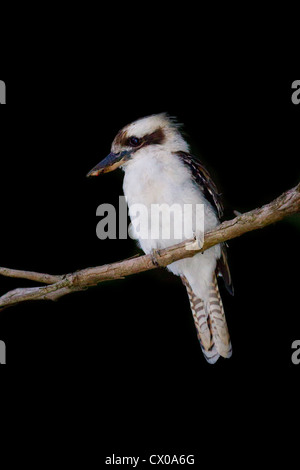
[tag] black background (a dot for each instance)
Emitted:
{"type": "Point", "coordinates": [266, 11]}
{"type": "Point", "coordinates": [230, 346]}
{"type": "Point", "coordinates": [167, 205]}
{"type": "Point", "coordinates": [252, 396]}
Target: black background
{"type": "Point", "coordinates": [133, 340]}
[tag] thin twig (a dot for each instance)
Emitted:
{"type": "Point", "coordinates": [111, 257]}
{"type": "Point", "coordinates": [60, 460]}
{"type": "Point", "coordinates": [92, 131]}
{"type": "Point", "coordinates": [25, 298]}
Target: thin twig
{"type": "Point", "coordinates": [32, 276]}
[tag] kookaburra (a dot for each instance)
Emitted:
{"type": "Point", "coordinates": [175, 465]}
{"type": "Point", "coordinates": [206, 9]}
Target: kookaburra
{"type": "Point", "coordinates": [159, 169]}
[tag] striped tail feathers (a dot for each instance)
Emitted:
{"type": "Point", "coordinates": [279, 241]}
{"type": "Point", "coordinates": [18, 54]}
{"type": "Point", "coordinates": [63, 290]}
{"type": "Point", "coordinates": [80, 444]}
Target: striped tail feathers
{"type": "Point", "coordinates": [218, 322]}
{"type": "Point", "coordinates": [202, 323]}
{"type": "Point", "coordinates": [210, 323]}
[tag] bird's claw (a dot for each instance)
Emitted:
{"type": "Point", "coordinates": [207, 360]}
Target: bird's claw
{"type": "Point", "coordinates": [199, 239]}
{"type": "Point", "coordinates": [154, 257]}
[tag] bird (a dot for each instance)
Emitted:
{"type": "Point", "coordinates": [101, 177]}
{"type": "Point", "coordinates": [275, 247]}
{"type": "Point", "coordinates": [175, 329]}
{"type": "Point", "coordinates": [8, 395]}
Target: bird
{"type": "Point", "coordinates": [160, 169]}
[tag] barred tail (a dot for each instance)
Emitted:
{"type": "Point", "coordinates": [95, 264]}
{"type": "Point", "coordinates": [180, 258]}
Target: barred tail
{"type": "Point", "coordinates": [210, 323]}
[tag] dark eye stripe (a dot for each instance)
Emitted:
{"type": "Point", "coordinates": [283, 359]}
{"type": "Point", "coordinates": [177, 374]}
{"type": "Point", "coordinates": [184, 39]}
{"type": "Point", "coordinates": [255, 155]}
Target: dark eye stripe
{"type": "Point", "coordinates": [157, 137]}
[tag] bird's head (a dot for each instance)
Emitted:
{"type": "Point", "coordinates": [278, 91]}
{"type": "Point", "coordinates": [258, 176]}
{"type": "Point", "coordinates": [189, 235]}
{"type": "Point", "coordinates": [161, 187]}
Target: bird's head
{"type": "Point", "coordinates": [148, 133]}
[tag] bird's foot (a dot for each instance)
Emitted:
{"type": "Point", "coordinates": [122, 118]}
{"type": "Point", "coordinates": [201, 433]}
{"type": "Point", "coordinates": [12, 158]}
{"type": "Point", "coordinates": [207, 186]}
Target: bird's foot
{"type": "Point", "coordinates": [199, 238]}
{"type": "Point", "coordinates": [154, 257]}
{"type": "Point", "coordinates": [198, 241]}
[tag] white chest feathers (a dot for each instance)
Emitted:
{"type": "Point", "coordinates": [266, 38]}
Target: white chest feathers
{"type": "Point", "coordinates": [155, 178]}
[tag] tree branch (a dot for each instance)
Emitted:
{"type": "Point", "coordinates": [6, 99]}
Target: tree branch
{"type": "Point", "coordinates": [32, 276]}
{"type": "Point", "coordinates": [285, 205]}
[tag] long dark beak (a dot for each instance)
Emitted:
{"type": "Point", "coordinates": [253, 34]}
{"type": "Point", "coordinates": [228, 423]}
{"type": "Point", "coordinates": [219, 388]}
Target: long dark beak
{"type": "Point", "coordinates": [110, 163]}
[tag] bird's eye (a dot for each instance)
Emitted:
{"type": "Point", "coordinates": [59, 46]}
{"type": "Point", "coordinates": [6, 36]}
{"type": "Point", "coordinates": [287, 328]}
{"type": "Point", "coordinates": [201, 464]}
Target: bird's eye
{"type": "Point", "coordinates": [134, 141]}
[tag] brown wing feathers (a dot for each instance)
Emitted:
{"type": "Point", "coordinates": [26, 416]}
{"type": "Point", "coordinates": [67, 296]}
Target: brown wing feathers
{"type": "Point", "coordinates": [203, 179]}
